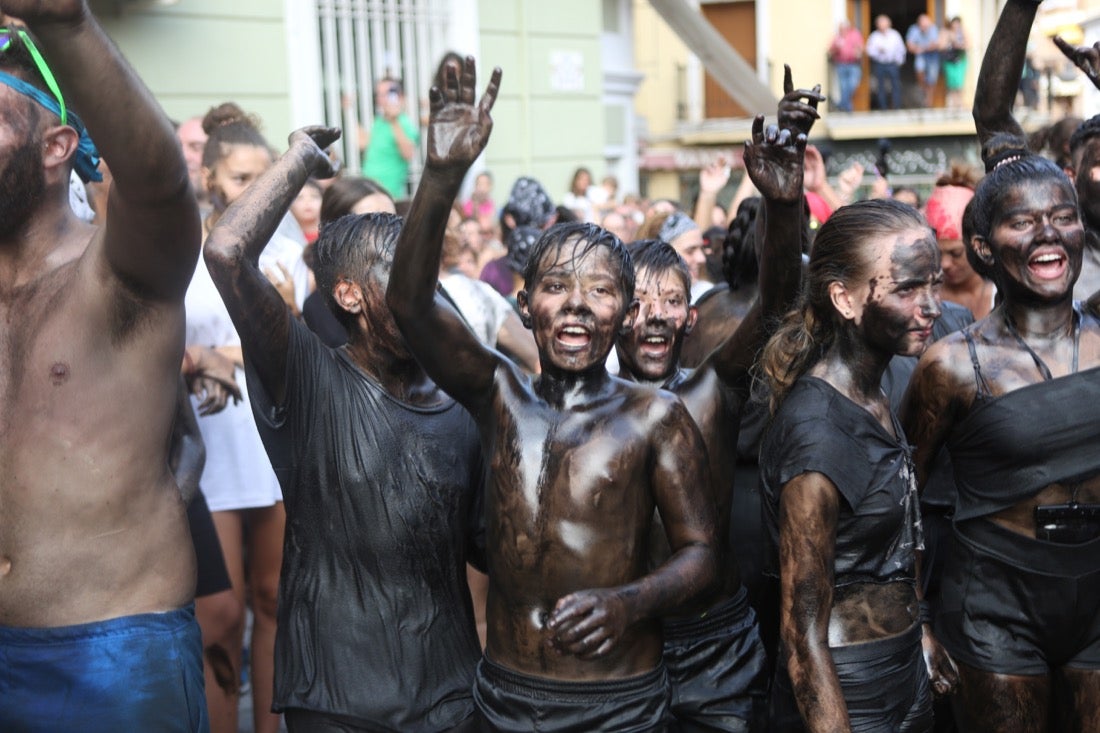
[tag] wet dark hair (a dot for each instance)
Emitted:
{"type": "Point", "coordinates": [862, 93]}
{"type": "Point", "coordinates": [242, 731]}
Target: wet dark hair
{"type": "Point", "coordinates": [1002, 147]}
{"type": "Point", "coordinates": [344, 193]}
{"type": "Point", "coordinates": [657, 258]}
{"type": "Point", "coordinates": [559, 236]}
{"type": "Point", "coordinates": [839, 254]}
{"type": "Point", "coordinates": [225, 126]}
{"type": "Point", "coordinates": [352, 246]}
{"type": "Point", "coordinates": [976, 263]}
{"type": "Point", "coordinates": [740, 260]}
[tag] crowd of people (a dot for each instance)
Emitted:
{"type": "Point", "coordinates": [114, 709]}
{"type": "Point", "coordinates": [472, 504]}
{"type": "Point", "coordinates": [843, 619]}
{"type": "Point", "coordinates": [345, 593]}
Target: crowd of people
{"type": "Point", "coordinates": [808, 463]}
{"type": "Point", "coordinates": [931, 49]}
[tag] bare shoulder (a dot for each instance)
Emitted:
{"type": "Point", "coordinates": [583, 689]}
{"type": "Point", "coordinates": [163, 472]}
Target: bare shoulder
{"type": "Point", "coordinates": [658, 409]}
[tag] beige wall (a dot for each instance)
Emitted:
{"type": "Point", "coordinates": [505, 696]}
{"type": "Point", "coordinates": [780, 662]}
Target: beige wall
{"type": "Point", "coordinates": [540, 129]}
{"type": "Point", "coordinates": [658, 53]}
{"type": "Point", "coordinates": [198, 53]}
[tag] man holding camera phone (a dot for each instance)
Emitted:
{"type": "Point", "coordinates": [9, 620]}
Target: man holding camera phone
{"type": "Point", "coordinates": [392, 139]}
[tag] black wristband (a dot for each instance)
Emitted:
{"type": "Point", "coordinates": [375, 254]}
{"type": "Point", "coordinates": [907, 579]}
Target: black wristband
{"type": "Point", "coordinates": [1036, 3]}
{"type": "Point", "coordinates": [924, 612]}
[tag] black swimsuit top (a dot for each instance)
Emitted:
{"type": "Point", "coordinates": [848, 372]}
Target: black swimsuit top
{"type": "Point", "coordinates": [1010, 447]}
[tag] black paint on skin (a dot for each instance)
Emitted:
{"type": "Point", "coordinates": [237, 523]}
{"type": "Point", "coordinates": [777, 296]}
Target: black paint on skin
{"type": "Point", "coordinates": [914, 277]}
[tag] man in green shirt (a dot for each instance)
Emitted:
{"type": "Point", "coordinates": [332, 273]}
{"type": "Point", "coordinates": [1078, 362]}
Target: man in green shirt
{"type": "Point", "coordinates": [392, 140]}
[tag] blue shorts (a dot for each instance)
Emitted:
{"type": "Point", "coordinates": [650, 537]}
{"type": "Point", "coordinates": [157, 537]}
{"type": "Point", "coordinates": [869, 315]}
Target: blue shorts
{"type": "Point", "coordinates": [929, 64]}
{"type": "Point", "coordinates": [129, 674]}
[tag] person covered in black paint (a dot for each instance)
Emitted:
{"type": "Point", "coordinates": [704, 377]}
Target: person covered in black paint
{"type": "Point", "coordinates": [1014, 399]}
{"type": "Point", "coordinates": [379, 469]}
{"type": "Point", "coordinates": [840, 500]}
{"type": "Point", "coordinates": [715, 657]}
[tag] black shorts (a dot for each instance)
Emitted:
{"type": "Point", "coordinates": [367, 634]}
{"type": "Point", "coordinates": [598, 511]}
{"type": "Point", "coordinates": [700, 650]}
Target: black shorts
{"type": "Point", "coordinates": [717, 667]}
{"type": "Point", "coordinates": [213, 576]}
{"type": "Point", "coordinates": [885, 686]}
{"type": "Point", "coordinates": [1015, 605]}
{"type": "Point", "coordinates": [511, 702]}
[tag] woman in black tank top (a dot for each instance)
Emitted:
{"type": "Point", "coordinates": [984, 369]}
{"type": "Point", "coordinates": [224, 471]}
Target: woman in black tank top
{"type": "Point", "coordinates": [1013, 397]}
{"type": "Point", "coordinates": [839, 496]}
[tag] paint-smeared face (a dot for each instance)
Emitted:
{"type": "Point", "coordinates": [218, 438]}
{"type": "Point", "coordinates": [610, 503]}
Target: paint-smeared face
{"type": "Point", "coordinates": [1037, 239]}
{"type": "Point", "coordinates": [575, 307]}
{"type": "Point", "coordinates": [900, 302]}
{"type": "Point", "coordinates": [650, 351]}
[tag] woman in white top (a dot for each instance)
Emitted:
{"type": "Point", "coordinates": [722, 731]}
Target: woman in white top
{"type": "Point", "coordinates": [238, 482]}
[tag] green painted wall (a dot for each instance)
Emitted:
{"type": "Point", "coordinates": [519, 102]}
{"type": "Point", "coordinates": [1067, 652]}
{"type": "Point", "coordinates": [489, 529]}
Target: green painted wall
{"type": "Point", "coordinates": [539, 128]}
{"type": "Point", "coordinates": [199, 53]}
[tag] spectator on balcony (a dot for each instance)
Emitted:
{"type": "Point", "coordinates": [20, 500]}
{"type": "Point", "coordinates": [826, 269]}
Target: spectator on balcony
{"type": "Point", "coordinates": [953, 43]}
{"type": "Point", "coordinates": [886, 49]}
{"type": "Point", "coordinates": [923, 41]}
{"type": "Point", "coordinates": [845, 54]}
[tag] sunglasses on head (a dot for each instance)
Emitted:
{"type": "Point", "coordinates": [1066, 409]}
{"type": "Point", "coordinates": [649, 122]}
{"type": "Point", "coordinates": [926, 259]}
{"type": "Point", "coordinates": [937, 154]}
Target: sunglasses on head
{"type": "Point", "coordinates": [8, 36]}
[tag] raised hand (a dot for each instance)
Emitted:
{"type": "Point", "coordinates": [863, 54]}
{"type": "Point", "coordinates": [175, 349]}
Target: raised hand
{"type": "Point", "coordinates": [458, 130]}
{"type": "Point", "coordinates": [587, 624]}
{"type": "Point", "coordinates": [798, 107]}
{"type": "Point", "coordinates": [713, 177]}
{"type": "Point", "coordinates": [774, 161]}
{"type": "Point", "coordinates": [313, 141]}
{"type": "Point", "coordinates": [1085, 58]}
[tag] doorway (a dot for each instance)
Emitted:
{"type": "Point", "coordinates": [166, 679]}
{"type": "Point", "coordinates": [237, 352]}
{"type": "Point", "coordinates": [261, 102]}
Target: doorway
{"type": "Point", "coordinates": [902, 14]}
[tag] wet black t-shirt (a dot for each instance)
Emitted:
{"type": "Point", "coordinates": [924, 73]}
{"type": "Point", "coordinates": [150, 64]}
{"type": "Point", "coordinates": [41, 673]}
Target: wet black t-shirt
{"type": "Point", "coordinates": [375, 619]}
{"type": "Point", "coordinates": [817, 429]}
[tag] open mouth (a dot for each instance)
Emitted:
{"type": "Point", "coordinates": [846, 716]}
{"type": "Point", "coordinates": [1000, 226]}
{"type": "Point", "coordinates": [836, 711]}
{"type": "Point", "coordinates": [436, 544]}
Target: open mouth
{"type": "Point", "coordinates": [1048, 264]}
{"type": "Point", "coordinates": [573, 337]}
{"type": "Point", "coordinates": [656, 347]}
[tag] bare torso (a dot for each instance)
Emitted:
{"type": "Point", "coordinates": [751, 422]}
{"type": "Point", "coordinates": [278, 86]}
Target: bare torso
{"type": "Point", "coordinates": [569, 506]}
{"type": "Point", "coordinates": [92, 525]}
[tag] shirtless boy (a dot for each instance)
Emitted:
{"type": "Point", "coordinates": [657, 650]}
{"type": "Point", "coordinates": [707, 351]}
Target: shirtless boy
{"type": "Point", "coordinates": [578, 462]}
{"type": "Point", "coordinates": [95, 558]}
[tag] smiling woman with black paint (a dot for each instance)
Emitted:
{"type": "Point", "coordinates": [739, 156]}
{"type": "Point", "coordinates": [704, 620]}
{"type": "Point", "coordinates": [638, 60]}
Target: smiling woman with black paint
{"type": "Point", "coordinates": [1014, 397]}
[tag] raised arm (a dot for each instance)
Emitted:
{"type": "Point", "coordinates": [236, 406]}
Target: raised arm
{"type": "Point", "coordinates": [773, 159]}
{"type": "Point", "coordinates": [1085, 58]}
{"type": "Point", "coordinates": [152, 233]}
{"type": "Point", "coordinates": [590, 623]}
{"type": "Point", "coordinates": [1002, 66]}
{"type": "Point", "coordinates": [232, 254]}
{"type": "Point", "coordinates": [458, 131]}
{"type": "Point", "coordinates": [808, 508]}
